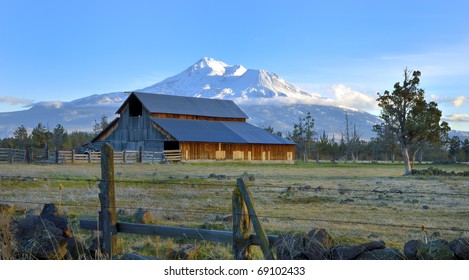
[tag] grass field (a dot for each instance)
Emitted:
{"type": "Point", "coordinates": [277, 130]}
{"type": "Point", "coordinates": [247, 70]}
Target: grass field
{"type": "Point", "coordinates": [354, 202]}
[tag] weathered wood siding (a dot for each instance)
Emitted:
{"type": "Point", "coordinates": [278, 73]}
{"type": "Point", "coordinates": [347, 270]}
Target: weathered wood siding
{"type": "Point", "coordinates": [192, 117]}
{"type": "Point", "coordinates": [131, 133]}
{"type": "Point", "coordinates": [219, 151]}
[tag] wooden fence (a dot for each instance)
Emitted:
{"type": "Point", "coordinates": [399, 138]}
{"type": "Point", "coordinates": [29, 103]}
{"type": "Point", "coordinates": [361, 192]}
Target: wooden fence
{"type": "Point", "coordinates": [33, 155]}
{"type": "Point", "coordinates": [244, 214]}
{"type": "Point", "coordinates": [12, 155]}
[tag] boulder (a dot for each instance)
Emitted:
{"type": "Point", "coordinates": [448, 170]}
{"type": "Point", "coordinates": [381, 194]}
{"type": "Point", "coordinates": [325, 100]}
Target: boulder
{"type": "Point", "coordinates": [352, 252]}
{"type": "Point", "coordinates": [381, 254]}
{"type": "Point", "coordinates": [435, 250]}
{"type": "Point", "coordinates": [460, 247]}
{"type": "Point", "coordinates": [38, 238]}
{"type": "Point", "coordinates": [411, 248]}
{"type": "Point", "coordinates": [321, 236]}
{"type": "Point", "coordinates": [51, 213]}
{"type": "Point", "coordinates": [297, 247]}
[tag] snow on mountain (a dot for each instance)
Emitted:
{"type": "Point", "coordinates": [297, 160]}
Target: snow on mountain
{"type": "Point", "coordinates": [210, 78]}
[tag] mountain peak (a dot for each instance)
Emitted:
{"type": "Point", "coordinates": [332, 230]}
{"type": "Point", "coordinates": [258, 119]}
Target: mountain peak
{"type": "Point", "coordinates": [211, 78]}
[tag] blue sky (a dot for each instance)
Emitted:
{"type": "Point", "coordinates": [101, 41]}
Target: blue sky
{"type": "Point", "coordinates": [344, 50]}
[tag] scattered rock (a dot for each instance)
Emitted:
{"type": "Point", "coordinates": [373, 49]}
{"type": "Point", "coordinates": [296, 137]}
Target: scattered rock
{"type": "Point", "coordinates": [226, 218]}
{"type": "Point", "coordinates": [347, 200]}
{"type": "Point", "coordinates": [460, 247]}
{"type": "Point", "coordinates": [143, 216]}
{"type": "Point", "coordinates": [425, 207]}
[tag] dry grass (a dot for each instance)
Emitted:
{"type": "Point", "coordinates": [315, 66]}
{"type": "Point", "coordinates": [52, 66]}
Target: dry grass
{"type": "Point", "coordinates": [354, 202]}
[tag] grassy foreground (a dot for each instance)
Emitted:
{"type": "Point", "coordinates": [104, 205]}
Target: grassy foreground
{"type": "Point", "coordinates": [354, 202]}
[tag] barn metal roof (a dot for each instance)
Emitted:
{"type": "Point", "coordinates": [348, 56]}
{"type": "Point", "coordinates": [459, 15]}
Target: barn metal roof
{"type": "Point", "coordinates": [173, 104]}
{"type": "Point", "coordinates": [214, 131]}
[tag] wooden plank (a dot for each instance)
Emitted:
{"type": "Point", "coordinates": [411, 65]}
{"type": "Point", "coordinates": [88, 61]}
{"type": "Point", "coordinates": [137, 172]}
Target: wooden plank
{"type": "Point", "coordinates": [220, 236]}
{"type": "Point", "coordinates": [258, 227]}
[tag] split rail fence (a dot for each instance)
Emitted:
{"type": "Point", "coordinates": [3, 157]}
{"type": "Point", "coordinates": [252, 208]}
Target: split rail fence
{"type": "Point", "coordinates": [244, 214]}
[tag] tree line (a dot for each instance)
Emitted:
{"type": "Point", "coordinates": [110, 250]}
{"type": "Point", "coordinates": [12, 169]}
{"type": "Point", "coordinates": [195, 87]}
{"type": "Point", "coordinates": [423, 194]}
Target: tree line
{"type": "Point", "coordinates": [42, 137]}
{"type": "Point", "coordinates": [411, 131]}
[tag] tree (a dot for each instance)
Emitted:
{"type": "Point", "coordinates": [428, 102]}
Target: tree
{"type": "Point", "coordinates": [453, 147]}
{"type": "Point", "coordinates": [410, 118]}
{"type": "Point", "coordinates": [40, 136]}
{"type": "Point", "coordinates": [302, 135]}
{"type": "Point", "coordinates": [465, 149]}
{"type": "Point", "coordinates": [21, 136]}
{"type": "Point", "coordinates": [59, 136]}
{"type": "Point", "coordinates": [99, 127]}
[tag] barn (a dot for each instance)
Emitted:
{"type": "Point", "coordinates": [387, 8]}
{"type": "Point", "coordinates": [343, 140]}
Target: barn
{"type": "Point", "coordinates": [197, 128]}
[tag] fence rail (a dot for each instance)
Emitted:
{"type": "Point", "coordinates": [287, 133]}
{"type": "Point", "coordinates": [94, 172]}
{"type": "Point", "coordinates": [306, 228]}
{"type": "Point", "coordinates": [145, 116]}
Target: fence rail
{"type": "Point", "coordinates": [33, 155]}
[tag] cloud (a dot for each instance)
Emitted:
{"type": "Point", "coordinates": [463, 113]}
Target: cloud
{"type": "Point", "coordinates": [459, 101]}
{"type": "Point", "coordinates": [456, 118]}
{"type": "Point", "coordinates": [347, 97]}
{"type": "Point", "coordinates": [15, 101]}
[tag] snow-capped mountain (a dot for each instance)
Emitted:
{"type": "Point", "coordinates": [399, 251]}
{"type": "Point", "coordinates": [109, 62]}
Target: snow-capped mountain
{"type": "Point", "coordinates": [210, 78]}
{"type": "Point", "coordinates": [265, 97]}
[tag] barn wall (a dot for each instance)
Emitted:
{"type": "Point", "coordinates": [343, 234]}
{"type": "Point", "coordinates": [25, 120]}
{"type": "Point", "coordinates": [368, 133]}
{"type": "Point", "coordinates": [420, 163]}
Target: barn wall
{"type": "Point", "coordinates": [134, 132]}
{"type": "Point", "coordinates": [213, 151]}
{"type": "Point", "coordinates": [192, 117]}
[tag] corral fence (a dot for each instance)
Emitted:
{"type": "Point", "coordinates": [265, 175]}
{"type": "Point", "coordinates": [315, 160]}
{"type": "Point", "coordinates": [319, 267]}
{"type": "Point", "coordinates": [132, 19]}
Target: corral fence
{"type": "Point", "coordinates": [34, 155]}
{"type": "Point", "coordinates": [244, 214]}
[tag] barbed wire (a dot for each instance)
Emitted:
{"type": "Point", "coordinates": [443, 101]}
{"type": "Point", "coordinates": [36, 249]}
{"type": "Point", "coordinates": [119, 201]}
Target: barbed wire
{"type": "Point", "coordinates": [262, 217]}
{"type": "Point", "coordinates": [228, 183]}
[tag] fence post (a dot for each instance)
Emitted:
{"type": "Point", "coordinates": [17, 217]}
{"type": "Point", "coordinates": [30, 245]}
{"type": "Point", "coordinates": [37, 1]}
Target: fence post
{"type": "Point", "coordinates": [73, 155]}
{"type": "Point", "coordinates": [108, 201]}
{"type": "Point", "coordinates": [241, 228]}
{"type": "Point", "coordinates": [139, 159]}
{"type": "Point", "coordinates": [258, 227]}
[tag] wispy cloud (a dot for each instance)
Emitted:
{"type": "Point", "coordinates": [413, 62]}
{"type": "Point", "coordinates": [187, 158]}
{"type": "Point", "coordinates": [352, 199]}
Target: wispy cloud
{"type": "Point", "coordinates": [15, 101]}
{"type": "Point", "coordinates": [456, 118]}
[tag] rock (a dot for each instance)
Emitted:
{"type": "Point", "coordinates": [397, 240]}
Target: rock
{"type": "Point", "coordinates": [460, 247]}
{"type": "Point", "coordinates": [134, 257]}
{"type": "Point", "coordinates": [435, 250]}
{"type": "Point", "coordinates": [227, 218]}
{"type": "Point", "coordinates": [143, 216]}
{"type": "Point", "coordinates": [381, 254]}
{"type": "Point", "coordinates": [297, 247]}
{"type": "Point", "coordinates": [346, 252]}
{"type": "Point", "coordinates": [322, 236]}
{"type": "Point", "coordinates": [52, 214]}
{"type": "Point", "coordinates": [411, 248]}
{"type": "Point", "coordinates": [38, 238]}
{"type": "Point", "coordinates": [185, 252]}
{"type": "Point", "coordinates": [351, 252]}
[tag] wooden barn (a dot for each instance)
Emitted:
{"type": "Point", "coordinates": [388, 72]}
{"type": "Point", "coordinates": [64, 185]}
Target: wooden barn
{"type": "Point", "coordinates": [197, 128]}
